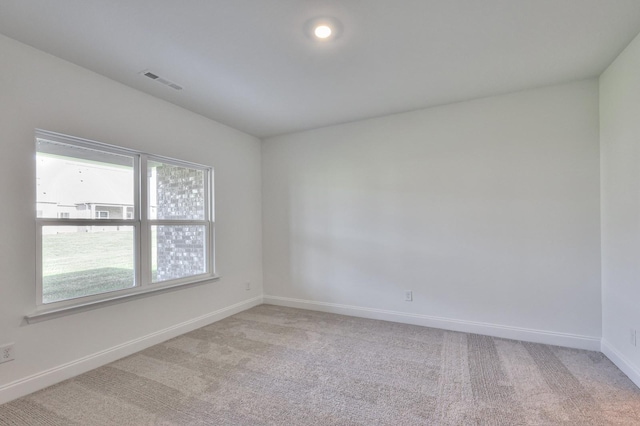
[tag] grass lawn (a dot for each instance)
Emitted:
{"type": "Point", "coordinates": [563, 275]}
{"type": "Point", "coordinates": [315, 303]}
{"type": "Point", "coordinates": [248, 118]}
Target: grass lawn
{"type": "Point", "coordinates": [80, 264]}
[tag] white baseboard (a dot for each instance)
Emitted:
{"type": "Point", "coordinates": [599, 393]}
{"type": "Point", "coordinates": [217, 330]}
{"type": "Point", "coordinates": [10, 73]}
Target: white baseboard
{"type": "Point", "coordinates": [496, 330]}
{"type": "Point", "coordinates": [71, 369]}
{"type": "Point", "coordinates": [621, 362]}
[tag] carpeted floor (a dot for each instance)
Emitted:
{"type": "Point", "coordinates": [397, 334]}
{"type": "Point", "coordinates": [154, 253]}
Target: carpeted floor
{"type": "Point", "coordinates": [280, 366]}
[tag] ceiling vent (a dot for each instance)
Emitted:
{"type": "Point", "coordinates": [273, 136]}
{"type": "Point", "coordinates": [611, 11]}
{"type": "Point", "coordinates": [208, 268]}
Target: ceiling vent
{"type": "Point", "coordinates": [162, 80]}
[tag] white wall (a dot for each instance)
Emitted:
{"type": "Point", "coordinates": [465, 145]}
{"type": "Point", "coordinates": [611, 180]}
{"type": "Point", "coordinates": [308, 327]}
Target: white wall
{"type": "Point", "coordinates": [620, 165]}
{"type": "Point", "coordinates": [488, 210]}
{"type": "Point", "coordinates": [40, 91]}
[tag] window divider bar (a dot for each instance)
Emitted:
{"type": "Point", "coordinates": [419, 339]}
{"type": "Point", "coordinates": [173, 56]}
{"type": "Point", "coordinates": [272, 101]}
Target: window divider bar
{"type": "Point", "coordinates": [86, 222]}
{"type": "Point", "coordinates": [175, 162]}
{"type": "Point", "coordinates": [172, 222]}
{"type": "Point", "coordinates": [145, 229]}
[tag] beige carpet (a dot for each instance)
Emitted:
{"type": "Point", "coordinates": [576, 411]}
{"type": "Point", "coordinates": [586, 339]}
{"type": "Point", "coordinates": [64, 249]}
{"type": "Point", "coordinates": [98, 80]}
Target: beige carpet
{"type": "Point", "coordinates": [280, 366]}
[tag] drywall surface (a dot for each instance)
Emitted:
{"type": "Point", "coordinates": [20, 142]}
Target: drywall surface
{"type": "Point", "coordinates": [487, 210]}
{"type": "Point", "coordinates": [620, 165]}
{"type": "Point", "coordinates": [40, 91]}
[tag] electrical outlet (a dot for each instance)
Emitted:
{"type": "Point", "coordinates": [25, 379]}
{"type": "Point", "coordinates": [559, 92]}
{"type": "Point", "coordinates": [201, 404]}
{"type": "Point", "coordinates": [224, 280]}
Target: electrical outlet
{"type": "Point", "coordinates": [6, 353]}
{"type": "Point", "coordinates": [247, 285]}
{"type": "Point", "coordinates": [633, 337]}
{"type": "Point", "coordinates": [408, 296]}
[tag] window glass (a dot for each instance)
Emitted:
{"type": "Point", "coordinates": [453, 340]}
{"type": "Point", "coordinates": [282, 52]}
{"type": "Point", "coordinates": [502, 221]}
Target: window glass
{"type": "Point", "coordinates": [81, 261]}
{"type": "Point", "coordinates": [72, 182]}
{"type": "Point", "coordinates": [177, 251]}
{"type": "Point", "coordinates": [175, 192]}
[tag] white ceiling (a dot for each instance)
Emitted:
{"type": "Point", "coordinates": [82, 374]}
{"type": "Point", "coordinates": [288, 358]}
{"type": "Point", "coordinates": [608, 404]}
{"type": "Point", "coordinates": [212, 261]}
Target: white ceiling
{"type": "Point", "coordinates": [249, 64]}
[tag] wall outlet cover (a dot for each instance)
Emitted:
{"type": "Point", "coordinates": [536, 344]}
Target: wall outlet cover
{"type": "Point", "coordinates": [7, 353]}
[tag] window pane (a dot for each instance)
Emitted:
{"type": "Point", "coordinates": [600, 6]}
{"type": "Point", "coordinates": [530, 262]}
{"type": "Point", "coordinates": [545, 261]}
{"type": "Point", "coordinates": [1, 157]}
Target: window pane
{"type": "Point", "coordinates": [177, 251]}
{"type": "Point", "coordinates": [175, 192]}
{"type": "Point", "coordinates": [81, 261]}
{"type": "Point", "coordinates": [82, 183]}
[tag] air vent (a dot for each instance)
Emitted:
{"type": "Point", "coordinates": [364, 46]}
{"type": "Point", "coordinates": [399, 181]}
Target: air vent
{"type": "Point", "coordinates": [162, 80]}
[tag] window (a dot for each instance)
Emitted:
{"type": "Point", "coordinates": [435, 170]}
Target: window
{"type": "Point", "coordinates": [113, 222]}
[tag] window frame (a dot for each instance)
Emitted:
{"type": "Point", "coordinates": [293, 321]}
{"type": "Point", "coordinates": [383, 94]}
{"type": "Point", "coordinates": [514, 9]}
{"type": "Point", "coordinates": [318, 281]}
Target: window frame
{"type": "Point", "coordinates": [141, 227]}
{"type": "Point", "coordinates": [208, 220]}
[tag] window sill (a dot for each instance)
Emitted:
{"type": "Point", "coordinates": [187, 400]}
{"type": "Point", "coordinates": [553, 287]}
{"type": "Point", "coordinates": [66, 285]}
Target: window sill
{"type": "Point", "coordinates": [46, 314]}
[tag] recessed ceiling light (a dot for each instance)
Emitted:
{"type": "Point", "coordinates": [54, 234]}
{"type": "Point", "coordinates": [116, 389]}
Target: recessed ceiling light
{"type": "Point", "coordinates": [322, 31]}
